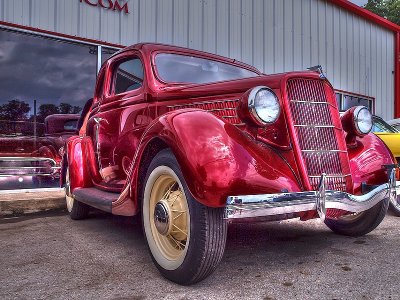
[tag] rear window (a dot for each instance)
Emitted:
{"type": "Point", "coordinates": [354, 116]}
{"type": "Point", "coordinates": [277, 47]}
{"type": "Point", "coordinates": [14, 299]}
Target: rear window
{"type": "Point", "coordinates": [175, 68]}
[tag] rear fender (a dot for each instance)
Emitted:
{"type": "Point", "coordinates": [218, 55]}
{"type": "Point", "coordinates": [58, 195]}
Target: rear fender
{"type": "Point", "coordinates": [90, 159]}
{"type": "Point", "coordinates": [217, 159]}
{"type": "Point", "coordinates": [366, 161]}
{"type": "Point", "coordinates": [78, 169]}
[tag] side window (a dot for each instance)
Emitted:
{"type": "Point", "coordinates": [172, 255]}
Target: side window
{"type": "Point", "coordinates": [128, 76]}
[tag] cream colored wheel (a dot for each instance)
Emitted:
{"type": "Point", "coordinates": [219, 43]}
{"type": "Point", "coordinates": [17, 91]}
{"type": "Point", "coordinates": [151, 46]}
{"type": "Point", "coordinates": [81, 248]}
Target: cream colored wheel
{"type": "Point", "coordinates": [68, 196]}
{"type": "Point", "coordinates": [186, 239]}
{"type": "Point", "coordinates": [166, 218]}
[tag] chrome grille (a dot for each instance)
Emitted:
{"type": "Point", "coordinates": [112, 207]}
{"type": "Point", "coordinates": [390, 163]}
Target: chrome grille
{"type": "Point", "coordinates": [226, 109]}
{"type": "Point", "coordinates": [321, 142]}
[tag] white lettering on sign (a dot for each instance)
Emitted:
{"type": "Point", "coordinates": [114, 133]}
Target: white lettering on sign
{"type": "Point", "coordinates": [108, 4]}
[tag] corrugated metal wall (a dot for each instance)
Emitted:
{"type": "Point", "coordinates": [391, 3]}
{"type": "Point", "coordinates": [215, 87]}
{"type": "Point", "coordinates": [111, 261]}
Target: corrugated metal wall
{"type": "Point", "coordinates": [273, 35]}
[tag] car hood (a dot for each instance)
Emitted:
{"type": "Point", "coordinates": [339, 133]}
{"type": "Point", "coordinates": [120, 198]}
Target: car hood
{"type": "Point", "coordinates": [392, 140]}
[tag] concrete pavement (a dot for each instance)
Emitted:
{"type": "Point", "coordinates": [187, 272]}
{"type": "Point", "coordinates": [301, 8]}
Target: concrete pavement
{"type": "Point", "coordinates": [105, 257]}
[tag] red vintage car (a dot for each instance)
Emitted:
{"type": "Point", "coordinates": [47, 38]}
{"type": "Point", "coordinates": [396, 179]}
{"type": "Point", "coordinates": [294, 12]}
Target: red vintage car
{"type": "Point", "coordinates": [191, 140]}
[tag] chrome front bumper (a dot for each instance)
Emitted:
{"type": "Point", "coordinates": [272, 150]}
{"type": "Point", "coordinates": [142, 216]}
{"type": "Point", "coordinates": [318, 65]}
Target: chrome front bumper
{"type": "Point", "coordinates": [254, 206]}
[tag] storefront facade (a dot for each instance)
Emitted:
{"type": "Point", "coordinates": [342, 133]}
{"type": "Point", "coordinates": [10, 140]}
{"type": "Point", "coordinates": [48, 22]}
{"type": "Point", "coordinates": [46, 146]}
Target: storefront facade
{"type": "Point", "coordinates": [50, 51]}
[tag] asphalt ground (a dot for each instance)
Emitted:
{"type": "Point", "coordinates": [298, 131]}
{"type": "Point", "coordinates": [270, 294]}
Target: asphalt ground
{"type": "Point", "coordinates": [49, 256]}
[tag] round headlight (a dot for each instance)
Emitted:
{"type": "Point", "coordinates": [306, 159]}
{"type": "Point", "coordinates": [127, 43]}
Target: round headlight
{"type": "Point", "coordinates": [264, 105]}
{"type": "Point", "coordinates": [362, 120]}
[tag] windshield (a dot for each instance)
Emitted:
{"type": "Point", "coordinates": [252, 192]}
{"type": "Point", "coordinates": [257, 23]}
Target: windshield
{"type": "Point", "coordinates": [382, 126]}
{"type": "Point", "coordinates": [190, 69]}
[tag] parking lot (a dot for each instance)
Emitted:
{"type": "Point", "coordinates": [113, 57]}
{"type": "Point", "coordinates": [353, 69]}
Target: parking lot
{"type": "Point", "coordinates": [49, 256]}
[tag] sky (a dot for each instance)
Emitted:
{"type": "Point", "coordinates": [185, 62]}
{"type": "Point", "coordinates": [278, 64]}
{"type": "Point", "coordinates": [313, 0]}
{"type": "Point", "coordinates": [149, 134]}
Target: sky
{"type": "Point", "coordinates": [359, 2]}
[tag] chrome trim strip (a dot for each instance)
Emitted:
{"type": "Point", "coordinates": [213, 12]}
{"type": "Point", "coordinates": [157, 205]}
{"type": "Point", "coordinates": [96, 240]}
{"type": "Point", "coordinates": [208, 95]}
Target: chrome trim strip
{"type": "Point", "coordinates": [229, 117]}
{"type": "Point", "coordinates": [330, 176]}
{"type": "Point", "coordinates": [337, 151]}
{"type": "Point", "coordinates": [252, 206]}
{"type": "Point", "coordinates": [315, 126]}
{"type": "Point", "coordinates": [202, 103]}
{"type": "Point", "coordinates": [316, 102]}
{"type": "Point", "coordinates": [23, 159]}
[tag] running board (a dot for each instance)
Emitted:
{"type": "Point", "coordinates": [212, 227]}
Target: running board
{"type": "Point", "coordinates": [94, 197]}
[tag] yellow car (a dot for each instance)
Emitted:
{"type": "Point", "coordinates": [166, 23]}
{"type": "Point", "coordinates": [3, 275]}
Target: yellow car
{"type": "Point", "coordinates": [388, 134]}
{"type": "Point", "coordinates": [391, 137]}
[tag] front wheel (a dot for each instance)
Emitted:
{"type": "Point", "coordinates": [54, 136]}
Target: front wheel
{"type": "Point", "coordinates": [359, 224]}
{"type": "Point", "coordinates": [186, 239]}
{"type": "Point", "coordinates": [394, 206]}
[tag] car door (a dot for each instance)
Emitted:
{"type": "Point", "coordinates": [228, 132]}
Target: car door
{"type": "Point", "coordinates": [122, 107]}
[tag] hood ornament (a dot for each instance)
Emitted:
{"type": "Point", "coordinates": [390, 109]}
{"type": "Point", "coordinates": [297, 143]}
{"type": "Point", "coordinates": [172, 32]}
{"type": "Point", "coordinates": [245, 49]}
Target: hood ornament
{"type": "Point", "coordinates": [319, 70]}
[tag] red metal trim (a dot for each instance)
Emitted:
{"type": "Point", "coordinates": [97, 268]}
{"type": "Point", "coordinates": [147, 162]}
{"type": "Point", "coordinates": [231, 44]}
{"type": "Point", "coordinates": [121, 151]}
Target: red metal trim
{"type": "Point", "coordinates": [366, 14]}
{"type": "Point", "coordinates": [60, 35]}
{"type": "Point", "coordinates": [397, 76]}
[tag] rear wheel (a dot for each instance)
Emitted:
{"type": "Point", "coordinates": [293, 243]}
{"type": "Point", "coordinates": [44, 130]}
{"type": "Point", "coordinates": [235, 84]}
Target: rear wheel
{"type": "Point", "coordinates": [360, 223]}
{"type": "Point", "coordinates": [186, 239]}
{"type": "Point", "coordinates": [77, 210]}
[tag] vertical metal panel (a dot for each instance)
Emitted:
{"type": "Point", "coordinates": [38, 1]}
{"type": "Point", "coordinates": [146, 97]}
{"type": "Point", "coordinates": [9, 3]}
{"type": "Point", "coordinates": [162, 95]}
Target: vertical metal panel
{"type": "Point", "coordinates": [210, 23]}
{"type": "Point", "coordinates": [247, 41]}
{"type": "Point", "coordinates": [147, 20]}
{"type": "Point", "coordinates": [258, 34]}
{"type": "Point", "coordinates": [164, 29]}
{"type": "Point", "coordinates": [269, 33]}
{"type": "Point", "coordinates": [297, 36]}
{"type": "Point", "coordinates": [196, 24]}
{"type": "Point", "coordinates": [130, 24]}
{"type": "Point", "coordinates": [273, 35]}
{"type": "Point", "coordinates": [181, 23]}
{"type": "Point", "coordinates": [67, 17]}
{"type": "Point", "coordinates": [222, 29]}
{"type": "Point", "coordinates": [235, 29]}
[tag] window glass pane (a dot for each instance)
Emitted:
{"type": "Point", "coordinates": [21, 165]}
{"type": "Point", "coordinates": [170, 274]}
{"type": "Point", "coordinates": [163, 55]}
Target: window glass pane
{"type": "Point", "coordinates": [190, 69]}
{"type": "Point", "coordinates": [53, 78]}
{"type": "Point", "coordinates": [129, 76]}
{"type": "Point", "coordinates": [365, 102]}
{"type": "Point", "coordinates": [338, 100]}
{"type": "Point", "coordinates": [349, 101]}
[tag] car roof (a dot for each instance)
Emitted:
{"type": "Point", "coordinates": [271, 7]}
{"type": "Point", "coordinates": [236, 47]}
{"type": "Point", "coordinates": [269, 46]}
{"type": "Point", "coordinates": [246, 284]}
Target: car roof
{"type": "Point", "coordinates": [148, 48]}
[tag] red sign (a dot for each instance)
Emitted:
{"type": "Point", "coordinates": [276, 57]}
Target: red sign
{"type": "Point", "coordinates": [109, 4]}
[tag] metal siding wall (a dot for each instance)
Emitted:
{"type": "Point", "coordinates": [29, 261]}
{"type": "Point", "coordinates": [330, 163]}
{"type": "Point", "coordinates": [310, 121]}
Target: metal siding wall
{"type": "Point", "coordinates": [273, 35]}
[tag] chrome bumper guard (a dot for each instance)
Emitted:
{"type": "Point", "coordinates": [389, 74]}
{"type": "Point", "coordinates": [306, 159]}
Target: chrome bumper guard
{"type": "Point", "coordinates": [254, 206]}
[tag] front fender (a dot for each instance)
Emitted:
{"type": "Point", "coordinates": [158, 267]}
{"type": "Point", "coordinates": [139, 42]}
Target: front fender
{"type": "Point", "coordinates": [366, 161]}
{"type": "Point", "coordinates": [219, 160]}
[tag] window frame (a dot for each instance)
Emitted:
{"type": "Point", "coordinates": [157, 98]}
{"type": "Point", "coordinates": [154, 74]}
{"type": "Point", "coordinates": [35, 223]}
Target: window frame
{"type": "Point", "coordinates": [342, 94]}
{"type": "Point", "coordinates": [177, 52]}
{"type": "Point", "coordinates": [112, 71]}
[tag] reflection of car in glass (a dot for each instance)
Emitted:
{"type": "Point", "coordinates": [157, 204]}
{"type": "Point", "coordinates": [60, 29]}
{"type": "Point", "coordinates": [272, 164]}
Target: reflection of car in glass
{"type": "Point", "coordinates": [391, 137]}
{"type": "Point", "coordinates": [192, 140]}
{"type": "Point", "coordinates": [33, 151]}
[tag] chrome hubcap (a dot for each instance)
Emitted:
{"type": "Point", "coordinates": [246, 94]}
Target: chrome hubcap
{"type": "Point", "coordinates": [162, 218]}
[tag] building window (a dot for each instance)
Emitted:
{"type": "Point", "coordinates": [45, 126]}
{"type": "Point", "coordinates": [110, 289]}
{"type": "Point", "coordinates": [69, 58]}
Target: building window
{"type": "Point", "coordinates": [346, 100]}
{"type": "Point", "coordinates": [44, 83]}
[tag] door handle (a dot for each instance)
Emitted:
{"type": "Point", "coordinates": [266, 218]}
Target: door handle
{"type": "Point", "coordinates": [99, 120]}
